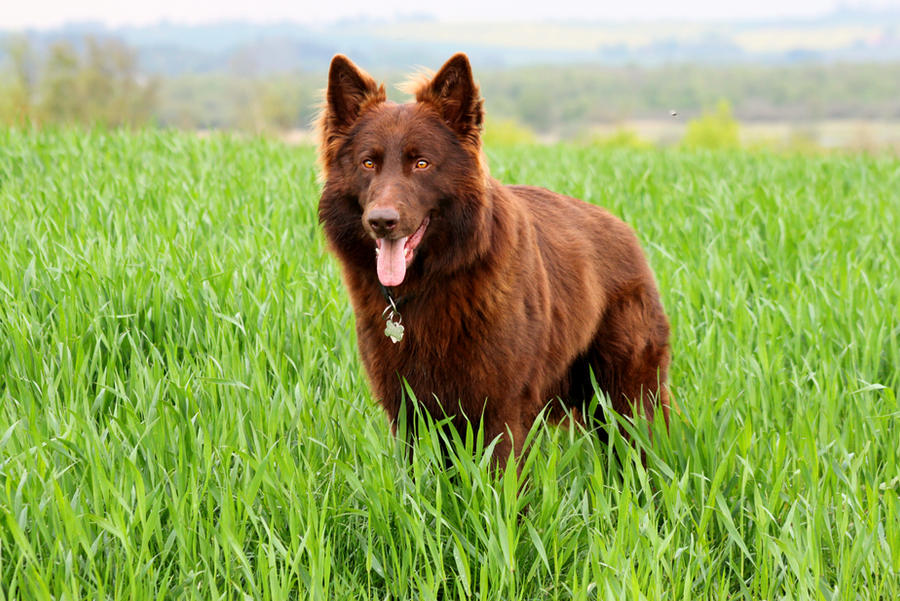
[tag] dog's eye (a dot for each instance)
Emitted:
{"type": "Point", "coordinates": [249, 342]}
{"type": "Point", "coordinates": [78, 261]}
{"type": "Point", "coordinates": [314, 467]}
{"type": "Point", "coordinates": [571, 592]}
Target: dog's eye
{"type": "Point", "coordinates": [368, 164]}
{"type": "Point", "coordinates": [422, 164]}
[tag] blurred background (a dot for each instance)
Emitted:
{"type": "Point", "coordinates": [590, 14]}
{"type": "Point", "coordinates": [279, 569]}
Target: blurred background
{"type": "Point", "coordinates": [807, 75]}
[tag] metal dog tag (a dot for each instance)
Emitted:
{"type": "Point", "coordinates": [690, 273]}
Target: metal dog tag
{"type": "Point", "coordinates": [393, 330]}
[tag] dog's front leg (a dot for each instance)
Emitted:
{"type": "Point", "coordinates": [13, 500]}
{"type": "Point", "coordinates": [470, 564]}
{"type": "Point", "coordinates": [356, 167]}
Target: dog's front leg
{"type": "Point", "coordinates": [505, 421]}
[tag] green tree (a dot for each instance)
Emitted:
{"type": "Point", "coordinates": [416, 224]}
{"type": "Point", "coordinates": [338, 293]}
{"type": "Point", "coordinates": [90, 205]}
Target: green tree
{"type": "Point", "coordinates": [714, 130]}
{"type": "Point", "coordinates": [102, 85]}
{"type": "Point", "coordinates": [112, 90]}
{"type": "Point", "coordinates": [506, 132]}
{"type": "Point", "coordinates": [60, 95]}
{"type": "Point", "coordinates": [17, 89]}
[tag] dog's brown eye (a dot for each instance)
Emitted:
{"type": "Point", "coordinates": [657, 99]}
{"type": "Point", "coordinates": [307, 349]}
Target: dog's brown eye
{"type": "Point", "coordinates": [422, 164]}
{"type": "Point", "coordinates": [368, 164]}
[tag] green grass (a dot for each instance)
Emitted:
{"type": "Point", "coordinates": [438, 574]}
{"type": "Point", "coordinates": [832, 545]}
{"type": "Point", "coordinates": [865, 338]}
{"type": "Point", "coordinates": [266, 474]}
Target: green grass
{"type": "Point", "coordinates": [183, 414]}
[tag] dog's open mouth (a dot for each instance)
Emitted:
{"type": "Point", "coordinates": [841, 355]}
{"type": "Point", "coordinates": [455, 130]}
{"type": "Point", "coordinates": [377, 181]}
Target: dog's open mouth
{"type": "Point", "coordinates": [394, 256]}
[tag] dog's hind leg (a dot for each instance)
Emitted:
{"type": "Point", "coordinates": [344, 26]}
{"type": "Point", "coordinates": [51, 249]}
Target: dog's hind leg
{"type": "Point", "coordinates": [629, 356]}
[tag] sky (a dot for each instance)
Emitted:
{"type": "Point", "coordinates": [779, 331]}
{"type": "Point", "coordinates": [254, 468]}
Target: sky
{"type": "Point", "coordinates": [44, 14]}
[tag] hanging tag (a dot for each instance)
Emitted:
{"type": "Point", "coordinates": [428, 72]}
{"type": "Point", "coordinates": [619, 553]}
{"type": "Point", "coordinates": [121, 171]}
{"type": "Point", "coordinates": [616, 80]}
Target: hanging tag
{"type": "Point", "coordinates": [393, 330]}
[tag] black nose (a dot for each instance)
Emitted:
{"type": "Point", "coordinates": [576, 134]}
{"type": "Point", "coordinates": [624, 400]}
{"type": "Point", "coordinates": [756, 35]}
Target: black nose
{"type": "Point", "coordinates": [382, 220]}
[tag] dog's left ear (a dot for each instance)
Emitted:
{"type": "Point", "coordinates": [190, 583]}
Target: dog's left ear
{"type": "Point", "coordinates": [454, 93]}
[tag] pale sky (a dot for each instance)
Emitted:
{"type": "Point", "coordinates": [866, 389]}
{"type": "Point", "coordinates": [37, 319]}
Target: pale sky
{"type": "Point", "coordinates": [17, 14]}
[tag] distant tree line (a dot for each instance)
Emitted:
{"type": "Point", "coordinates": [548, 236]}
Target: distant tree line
{"type": "Point", "coordinates": [565, 99]}
{"type": "Point", "coordinates": [99, 81]}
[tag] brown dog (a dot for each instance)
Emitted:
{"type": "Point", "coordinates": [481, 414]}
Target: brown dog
{"type": "Point", "coordinates": [510, 295]}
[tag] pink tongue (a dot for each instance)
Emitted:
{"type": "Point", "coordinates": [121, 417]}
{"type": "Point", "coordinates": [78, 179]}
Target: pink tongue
{"type": "Point", "coordinates": [391, 261]}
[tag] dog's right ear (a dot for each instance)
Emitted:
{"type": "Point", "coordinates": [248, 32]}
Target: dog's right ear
{"type": "Point", "coordinates": [350, 90]}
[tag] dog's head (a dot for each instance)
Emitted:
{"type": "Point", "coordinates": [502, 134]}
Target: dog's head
{"type": "Point", "coordinates": [401, 169]}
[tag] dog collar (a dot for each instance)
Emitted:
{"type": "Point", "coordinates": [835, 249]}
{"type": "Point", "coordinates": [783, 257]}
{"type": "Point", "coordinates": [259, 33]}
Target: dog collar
{"type": "Point", "coordinates": [393, 303]}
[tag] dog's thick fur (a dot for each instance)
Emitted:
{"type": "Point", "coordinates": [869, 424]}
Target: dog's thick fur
{"type": "Point", "coordinates": [511, 295]}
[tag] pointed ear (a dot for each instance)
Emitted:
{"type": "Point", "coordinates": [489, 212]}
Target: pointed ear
{"type": "Point", "coordinates": [350, 90]}
{"type": "Point", "coordinates": [454, 94]}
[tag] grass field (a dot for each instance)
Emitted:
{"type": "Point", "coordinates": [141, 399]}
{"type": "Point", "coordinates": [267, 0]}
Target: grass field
{"type": "Point", "coordinates": [183, 414]}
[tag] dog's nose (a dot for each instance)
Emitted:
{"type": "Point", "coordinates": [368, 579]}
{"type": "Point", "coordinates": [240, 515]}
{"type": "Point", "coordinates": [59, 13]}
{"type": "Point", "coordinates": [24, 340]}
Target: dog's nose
{"type": "Point", "coordinates": [383, 220]}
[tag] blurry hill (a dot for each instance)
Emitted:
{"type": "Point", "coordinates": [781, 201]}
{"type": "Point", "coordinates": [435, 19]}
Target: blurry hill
{"type": "Point", "coordinates": [171, 49]}
{"type": "Point", "coordinates": [555, 80]}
